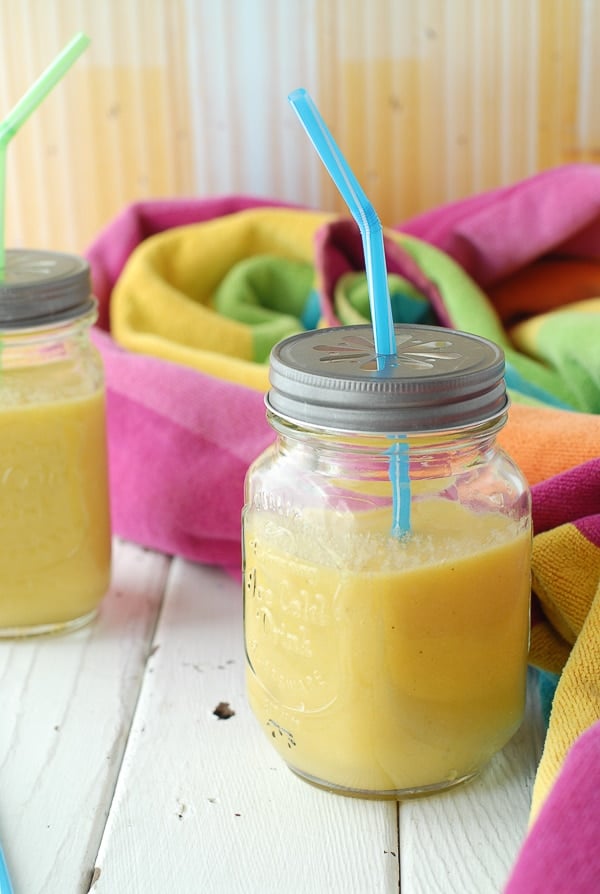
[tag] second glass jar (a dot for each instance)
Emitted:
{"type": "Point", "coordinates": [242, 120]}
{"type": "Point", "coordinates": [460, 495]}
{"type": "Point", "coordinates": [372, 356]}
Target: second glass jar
{"type": "Point", "coordinates": [55, 548]}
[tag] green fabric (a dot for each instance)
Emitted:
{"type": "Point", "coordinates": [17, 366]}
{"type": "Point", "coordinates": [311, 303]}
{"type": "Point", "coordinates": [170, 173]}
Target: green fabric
{"type": "Point", "coordinates": [352, 304]}
{"type": "Point", "coordinates": [570, 344]}
{"type": "Point", "coordinates": [269, 294]}
{"type": "Point", "coordinates": [470, 310]}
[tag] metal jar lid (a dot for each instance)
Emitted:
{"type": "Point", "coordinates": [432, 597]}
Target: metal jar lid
{"type": "Point", "coordinates": [39, 288]}
{"type": "Point", "coordinates": [440, 379]}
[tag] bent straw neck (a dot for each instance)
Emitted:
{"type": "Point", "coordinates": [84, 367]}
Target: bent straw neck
{"type": "Point", "coordinates": [363, 213]}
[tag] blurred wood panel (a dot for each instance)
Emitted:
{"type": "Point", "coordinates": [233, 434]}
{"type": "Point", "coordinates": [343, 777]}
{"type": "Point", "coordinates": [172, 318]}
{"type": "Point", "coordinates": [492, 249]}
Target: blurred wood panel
{"type": "Point", "coordinates": [430, 101]}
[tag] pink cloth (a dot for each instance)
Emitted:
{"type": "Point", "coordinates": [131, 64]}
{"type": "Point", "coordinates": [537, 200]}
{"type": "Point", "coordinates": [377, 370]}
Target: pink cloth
{"type": "Point", "coordinates": [561, 854]}
{"type": "Point", "coordinates": [496, 233]}
{"type": "Point", "coordinates": [180, 443]}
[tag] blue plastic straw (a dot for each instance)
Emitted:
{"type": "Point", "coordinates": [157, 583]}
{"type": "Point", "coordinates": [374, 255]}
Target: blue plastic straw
{"type": "Point", "coordinates": [5, 885]}
{"type": "Point", "coordinates": [379, 296]}
{"type": "Point", "coordinates": [364, 215]}
{"type": "Point", "coordinates": [399, 475]}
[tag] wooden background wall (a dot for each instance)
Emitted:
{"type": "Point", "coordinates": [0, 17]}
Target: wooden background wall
{"type": "Point", "coordinates": [430, 100]}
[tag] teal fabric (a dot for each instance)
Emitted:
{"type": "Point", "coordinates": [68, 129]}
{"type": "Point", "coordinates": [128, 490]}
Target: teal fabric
{"type": "Point", "coordinates": [352, 304]}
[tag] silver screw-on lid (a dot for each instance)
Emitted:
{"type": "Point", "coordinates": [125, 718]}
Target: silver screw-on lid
{"type": "Point", "coordinates": [440, 379]}
{"type": "Point", "coordinates": [39, 288]}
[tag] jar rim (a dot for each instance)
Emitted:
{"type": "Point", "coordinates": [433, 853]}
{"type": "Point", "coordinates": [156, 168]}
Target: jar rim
{"type": "Point", "coordinates": [488, 427]}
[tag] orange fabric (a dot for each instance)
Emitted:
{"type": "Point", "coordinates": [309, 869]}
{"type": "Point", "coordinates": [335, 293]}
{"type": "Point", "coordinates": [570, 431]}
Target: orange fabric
{"type": "Point", "coordinates": [544, 286]}
{"type": "Point", "coordinates": [545, 441]}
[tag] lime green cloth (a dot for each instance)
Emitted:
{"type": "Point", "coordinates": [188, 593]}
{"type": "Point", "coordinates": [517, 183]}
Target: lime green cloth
{"type": "Point", "coordinates": [269, 294]}
{"type": "Point", "coordinates": [567, 340]}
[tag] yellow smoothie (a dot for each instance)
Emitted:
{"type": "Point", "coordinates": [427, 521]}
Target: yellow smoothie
{"type": "Point", "coordinates": [54, 513]}
{"type": "Point", "coordinates": [379, 666]}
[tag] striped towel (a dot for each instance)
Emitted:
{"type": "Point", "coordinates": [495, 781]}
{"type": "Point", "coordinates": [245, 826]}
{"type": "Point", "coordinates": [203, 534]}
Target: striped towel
{"type": "Point", "coordinates": [562, 851]}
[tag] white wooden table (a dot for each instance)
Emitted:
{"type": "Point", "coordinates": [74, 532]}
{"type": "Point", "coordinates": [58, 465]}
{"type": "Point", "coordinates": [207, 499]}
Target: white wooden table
{"type": "Point", "coordinates": [116, 777]}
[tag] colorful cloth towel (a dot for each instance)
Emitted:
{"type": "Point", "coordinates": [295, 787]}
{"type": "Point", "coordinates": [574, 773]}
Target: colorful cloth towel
{"type": "Point", "coordinates": [552, 359]}
{"type": "Point", "coordinates": [534, 247]}
{"type": "Point", "coordinates": [151, 497]}
{"type": "Point", "coordinates": [562, 852]}
{"type": "Point", "coordinates": [565, 636]}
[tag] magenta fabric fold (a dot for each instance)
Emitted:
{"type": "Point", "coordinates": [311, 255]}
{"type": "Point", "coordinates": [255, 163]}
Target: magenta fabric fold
{"type": "Point", "coordinates": [494, 234]}
{"type": "Point", "coordinates": [561, 854]}
{"type": "Point", "coordinates": [569, 497]}
{"type": "Point", "coordinates": [180, 443]}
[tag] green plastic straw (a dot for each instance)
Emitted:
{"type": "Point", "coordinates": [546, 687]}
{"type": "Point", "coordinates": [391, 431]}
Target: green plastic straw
{"type": "Point", "coordinates": [23, 109]}
{"type": "Point", "coordinates": [364, 214]}
{"type": "Point", "coordinates": [8, 128]}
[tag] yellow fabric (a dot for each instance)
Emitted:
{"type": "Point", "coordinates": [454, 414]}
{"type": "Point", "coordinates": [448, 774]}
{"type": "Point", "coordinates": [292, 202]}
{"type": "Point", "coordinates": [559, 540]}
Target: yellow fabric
{"type": "Point", "coordinates": [162, 302]}
{"type": "Point", "coordinates": [566, 580]}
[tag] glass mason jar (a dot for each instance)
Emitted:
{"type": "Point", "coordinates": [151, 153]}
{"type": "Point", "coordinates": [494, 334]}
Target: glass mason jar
{"type": "Point", "coordinates": [55, 545]}
{"type": "Point", "coordinates": [387, 544]}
